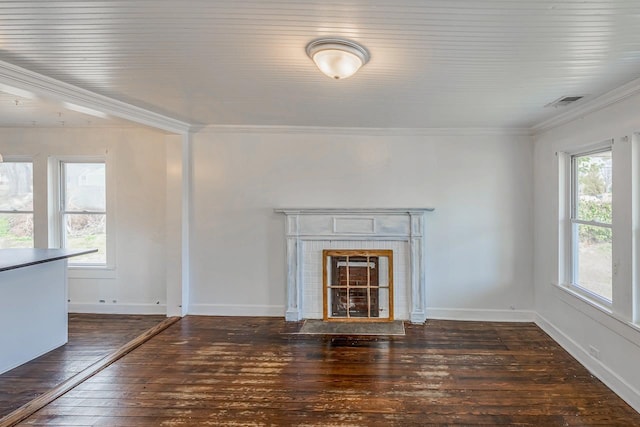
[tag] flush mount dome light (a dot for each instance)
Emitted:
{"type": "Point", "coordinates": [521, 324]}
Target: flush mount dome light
{"type": "Point", "coordinates": [337, 58]}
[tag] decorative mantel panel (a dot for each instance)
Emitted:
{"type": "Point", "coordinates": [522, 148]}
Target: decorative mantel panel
{"type": "Point", "coordinates": [346, 225]}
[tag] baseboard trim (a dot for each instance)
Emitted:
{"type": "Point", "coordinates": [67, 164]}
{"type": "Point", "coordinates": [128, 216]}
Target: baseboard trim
{"type": "Point", "coordinates": [617, 384]}
{"type": "Point", "coordinates": [481, 315]}
{"type": "Point", "coordinates": [236, 310]}
{"type": "Point", "coordinates": [117, 308]}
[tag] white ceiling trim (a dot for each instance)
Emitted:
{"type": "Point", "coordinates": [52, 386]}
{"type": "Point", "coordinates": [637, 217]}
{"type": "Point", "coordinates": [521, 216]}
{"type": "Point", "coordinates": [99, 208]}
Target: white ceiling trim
{"type": "Point", "coordinates": [365, 131]}
{"type": "Point", "coordinates": [51, 89]}
{"type": "Point", "coordinates": [596, 104]}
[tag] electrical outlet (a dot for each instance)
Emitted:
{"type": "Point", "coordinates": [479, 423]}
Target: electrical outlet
{"type": "Point", "coordinates": [594, 352]}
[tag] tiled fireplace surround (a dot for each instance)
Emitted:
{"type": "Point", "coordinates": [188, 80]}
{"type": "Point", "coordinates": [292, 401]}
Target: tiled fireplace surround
{"type": "Point", "coordinates": [309, 231]}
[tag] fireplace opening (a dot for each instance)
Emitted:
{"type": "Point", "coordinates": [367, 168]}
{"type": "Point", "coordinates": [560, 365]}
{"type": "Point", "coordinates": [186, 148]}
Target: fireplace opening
{"type": "Point", "coordinates": [358, 285]}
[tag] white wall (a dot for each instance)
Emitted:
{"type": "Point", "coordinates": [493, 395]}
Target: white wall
{"type": "Point", "coordinates": [139, 285]}
{"type": "Point", "coordinates": [575, 324]}
{"type": "Point", "coordinates": [479, 239]}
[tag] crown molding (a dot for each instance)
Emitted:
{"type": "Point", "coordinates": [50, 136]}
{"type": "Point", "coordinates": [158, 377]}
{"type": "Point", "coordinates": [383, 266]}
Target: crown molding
{"type": "Point", "coordinates": [57, 91]}
{"type": "Point", "coordinates": [596, 104]}
{"type": "Point", "coordinates": [327, 130]}
{"type": "Point", "coordinates": [41, 86]}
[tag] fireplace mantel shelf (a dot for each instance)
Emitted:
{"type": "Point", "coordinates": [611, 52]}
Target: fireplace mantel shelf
{"type": "Point", "coordinates": [350, 211]}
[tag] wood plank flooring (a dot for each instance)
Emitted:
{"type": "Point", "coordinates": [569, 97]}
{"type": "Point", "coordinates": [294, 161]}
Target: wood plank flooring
{"type": "Point", "coordinates": [91, 337]}
{"type": "Point", "coordinates": [249, 371]}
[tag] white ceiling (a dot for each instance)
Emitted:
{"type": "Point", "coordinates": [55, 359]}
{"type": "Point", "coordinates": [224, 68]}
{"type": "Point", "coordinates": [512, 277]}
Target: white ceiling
{"type": "Point", "coordinates": [434, 64]}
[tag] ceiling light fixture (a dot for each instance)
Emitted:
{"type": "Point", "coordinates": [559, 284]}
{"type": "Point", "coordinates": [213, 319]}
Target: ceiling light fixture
{"type": "Point", "coordinates": [337, 58]}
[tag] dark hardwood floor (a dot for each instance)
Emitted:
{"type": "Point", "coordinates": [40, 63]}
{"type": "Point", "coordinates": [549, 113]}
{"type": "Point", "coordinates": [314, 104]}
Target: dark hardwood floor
{"type": "Point", "coordinates": [248, 371]}
{"type": "Point", "coordinates": [91, 337]}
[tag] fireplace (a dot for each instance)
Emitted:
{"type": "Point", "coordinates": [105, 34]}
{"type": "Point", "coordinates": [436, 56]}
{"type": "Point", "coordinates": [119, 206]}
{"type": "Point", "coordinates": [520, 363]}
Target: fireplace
{"type": "Point", "coordinates": [391, 238]}
{"type": "Point", "coordinates": [357, 285]}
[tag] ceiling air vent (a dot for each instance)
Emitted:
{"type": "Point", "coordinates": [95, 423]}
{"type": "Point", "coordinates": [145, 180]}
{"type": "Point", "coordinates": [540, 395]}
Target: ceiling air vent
{"type": "Point", "coordinates": [564, 101]}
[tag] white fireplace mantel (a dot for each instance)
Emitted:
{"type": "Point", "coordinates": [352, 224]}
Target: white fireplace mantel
{"type": "Point", "coordinates": [362, 224]}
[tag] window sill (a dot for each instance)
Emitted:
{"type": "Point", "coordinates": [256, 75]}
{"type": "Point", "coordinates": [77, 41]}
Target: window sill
{"type": "Point", "coordinates": [591, 299]}
{"type": "Point", "coordinates": [79, 272]}
{"type": "Point", "coordinates": [601, 313]}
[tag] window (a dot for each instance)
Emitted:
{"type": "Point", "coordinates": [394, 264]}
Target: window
{"type": "Point", "coordinates": [591, 223]}
{"type": "Point", "coordinates": [16, 204]}
{"type": "Point", "coordinates": [83, 210]}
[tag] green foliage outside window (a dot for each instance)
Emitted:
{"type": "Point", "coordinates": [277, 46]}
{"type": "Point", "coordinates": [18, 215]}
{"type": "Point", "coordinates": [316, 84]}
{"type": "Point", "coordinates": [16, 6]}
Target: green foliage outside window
{"type": "Point", "coordinates": [595, 210]}
{"type": "Point", "coordinates": [594, 196]}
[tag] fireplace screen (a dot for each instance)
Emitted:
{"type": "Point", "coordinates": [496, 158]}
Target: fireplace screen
{"type": "Point", "coordinates": [358, 284]}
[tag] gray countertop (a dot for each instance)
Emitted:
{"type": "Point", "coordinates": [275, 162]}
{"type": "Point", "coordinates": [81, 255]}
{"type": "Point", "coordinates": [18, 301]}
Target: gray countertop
{"type": "Point", "coordinates": [17, 258]}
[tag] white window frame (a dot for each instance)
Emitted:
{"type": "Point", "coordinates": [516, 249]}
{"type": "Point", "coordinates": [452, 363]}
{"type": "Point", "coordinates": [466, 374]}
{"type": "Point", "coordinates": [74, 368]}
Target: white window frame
{"type": "Point", "coordinates": [575, 222]}
{"type": "Point", "coordinates": [56, 215]}
{"type": "Point", "coordinates": [567, 243]}
{"type": "Point", "coordinates": [622, 315]}
{"type": "Point", "coordinates": [24, 159]}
